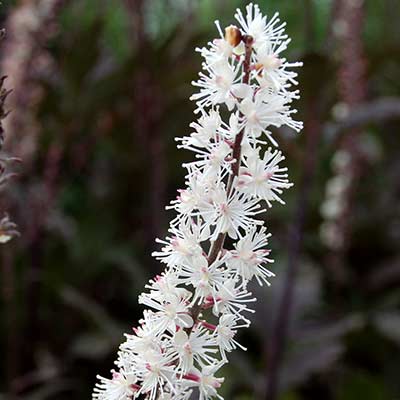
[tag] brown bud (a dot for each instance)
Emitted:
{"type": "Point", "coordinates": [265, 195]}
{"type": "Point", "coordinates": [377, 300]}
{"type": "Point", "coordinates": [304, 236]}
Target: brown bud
{"type": "Point", "coordinates": [233, 35]}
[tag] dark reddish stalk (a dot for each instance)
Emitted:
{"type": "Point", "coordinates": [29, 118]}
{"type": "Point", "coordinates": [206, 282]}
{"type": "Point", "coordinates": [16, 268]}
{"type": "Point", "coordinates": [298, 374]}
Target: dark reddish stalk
{"type": "Point", "coordinates": [352, 91]}
{"type": "Point", "coordinates": [237, 147]}
{"type": "Point", "coordinates": [237, 150]}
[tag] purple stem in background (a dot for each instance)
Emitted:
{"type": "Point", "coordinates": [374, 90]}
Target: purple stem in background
{"type": "Point", "coordinates": [352, 93]}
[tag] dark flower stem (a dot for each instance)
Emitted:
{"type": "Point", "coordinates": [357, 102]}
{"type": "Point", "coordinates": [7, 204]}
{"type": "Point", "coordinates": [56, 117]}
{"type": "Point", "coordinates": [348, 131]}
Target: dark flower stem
{"type": "Point", "coordinates": [237, 150]}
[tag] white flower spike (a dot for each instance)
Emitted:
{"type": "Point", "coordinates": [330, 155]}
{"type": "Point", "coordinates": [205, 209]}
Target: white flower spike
{"type": "Point", "coordinates": [199, 303]}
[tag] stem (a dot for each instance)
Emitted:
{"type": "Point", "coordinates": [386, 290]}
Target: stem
{"type": "Point", "coordinates": [219, 242]}
{"type": "Point", "coordinates": [237, 150]}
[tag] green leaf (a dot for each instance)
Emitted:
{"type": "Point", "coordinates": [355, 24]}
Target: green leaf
{"type": "Point", "coordinates": [359, 385]}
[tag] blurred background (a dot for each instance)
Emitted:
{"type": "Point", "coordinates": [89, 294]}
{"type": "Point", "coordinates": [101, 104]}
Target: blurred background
{"type": "Point", "coordinates": [100, 89]}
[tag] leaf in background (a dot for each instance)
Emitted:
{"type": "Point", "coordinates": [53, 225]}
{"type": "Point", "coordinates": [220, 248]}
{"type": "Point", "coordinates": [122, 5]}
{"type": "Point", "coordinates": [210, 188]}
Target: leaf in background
{"type": "Point", "coordinates": [93, 312]}
{"type": "Point", "coordinates": [388, 324]}
{"type": "Point", "coordinates": [358, 385]}
{"type": "Point", "coordinates": [94, 346]}
{"type": "Point", "coordinates": [116, 33]}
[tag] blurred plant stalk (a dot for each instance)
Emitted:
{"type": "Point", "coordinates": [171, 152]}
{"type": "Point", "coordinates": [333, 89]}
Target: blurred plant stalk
{"type": "Point", "coordinates": [349, 160]}
{"type": "Point", "coordinates": [26, 60]}
{"type": "Point", "coordinates": [8, 230]}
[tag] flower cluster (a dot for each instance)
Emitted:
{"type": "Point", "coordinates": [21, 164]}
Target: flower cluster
{"type": "Point", "coordinates": [195, 308]}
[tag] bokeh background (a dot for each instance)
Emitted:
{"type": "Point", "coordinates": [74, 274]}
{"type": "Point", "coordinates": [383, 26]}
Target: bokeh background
{"type": "Point", "coordinates": [100, 90]}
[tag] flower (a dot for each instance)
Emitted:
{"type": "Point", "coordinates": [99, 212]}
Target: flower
{"type": "Point", "coordinates": [156, 371]}
{"type": "Point", "coordinates": [226, 331]}
{"type": "Point", "coordinates": [182, 246]}
{"type": "Point", "coordinates": [230, 213]}
{"type": "Point", "coordinates": [232, 297]}
{"type": "Point", "coordinates": [206, 129]}
{"type": "Point", "coordinates": [199, 303]}
{"type": "Point", "coordinates": [250, 255]}
{"type": "Point", "coordinates": [268, 108]}
{"type": "Point", "coordinates": [195, 346]}
{"type": "Point", "coordinates": [216, 87]}
{"type": "Point", "coordinates": [257, 26]}
{"type": "Point", "coordinates": [263, 177]}
{"type": "Point", "coordinates": [122, 386]}
{"type": "Point", "coordinates": [205, 381]}
{"type": "Point", "coordinates": [171, 311]}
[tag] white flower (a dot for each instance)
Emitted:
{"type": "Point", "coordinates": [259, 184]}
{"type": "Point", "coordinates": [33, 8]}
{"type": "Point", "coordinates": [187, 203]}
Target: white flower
{"type": "Point", "coordinates": [188, 200]}
{"type": "Point", "coordinates": [206, 129]}
{"type": "Point", "coordinates": [214, 161]}
{"type": "Point", "coordinates": [183, 394]}
{"type": "Point", "coordinates": [181, 247]}
{"type": "Point", "coordinates": [233, 128]}
{"type": "Point", "coordinates": [195, 346]}
{"type": "Point", "coordinates": [156, 371]}
{"type": "Point", "coordinates": [205, 381]}
{"type": "Point", "coordinates": [122, 386]}
{"type": "Point", "coordinates": [231, 214]}
{"type": "Point", "coordinates": [220, 49]}
{"type": "Point", "coordinates": [264, 178]}
{"type": "Point", "coordinates": [215, 88]}
{"type": "Point", "coordinates": [266, 109]}
{"type": "Point", "coordinates": [204, 278]}
{"type": "Point", "coordinates": [171, 312]}
{"type": "Point", "coordinates": [257, 26]}
{"type": "Point", "coordinates": [226, 331]}
{"type": "Point", "coordinates": [250, 255]}
{"type": "Point", "coordinates": [144, 338]}
{"type": "Point", "coordinates": [272, 71]}
{"type": "Point", "coordinates": [232, 298]}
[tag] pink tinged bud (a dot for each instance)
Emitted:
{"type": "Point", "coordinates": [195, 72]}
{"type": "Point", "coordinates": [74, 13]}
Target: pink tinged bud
{"type": "Point", "coordinates": [135, 330]}
{"type": "Point", "coordinates": [210, 299]}
{"type": "Point", "coordinates": [216, 383]}
{"type": "Point", "coordinates": [116, 375]}
{"type": "Point", "coordinates": [192, 377]}
{"type": "Point", "coordinates": [148, 366]}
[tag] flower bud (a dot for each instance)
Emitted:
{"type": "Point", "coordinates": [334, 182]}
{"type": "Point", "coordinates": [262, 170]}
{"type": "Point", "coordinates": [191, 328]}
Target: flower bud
{"type": "Point", "coordinates": [233, 35]}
